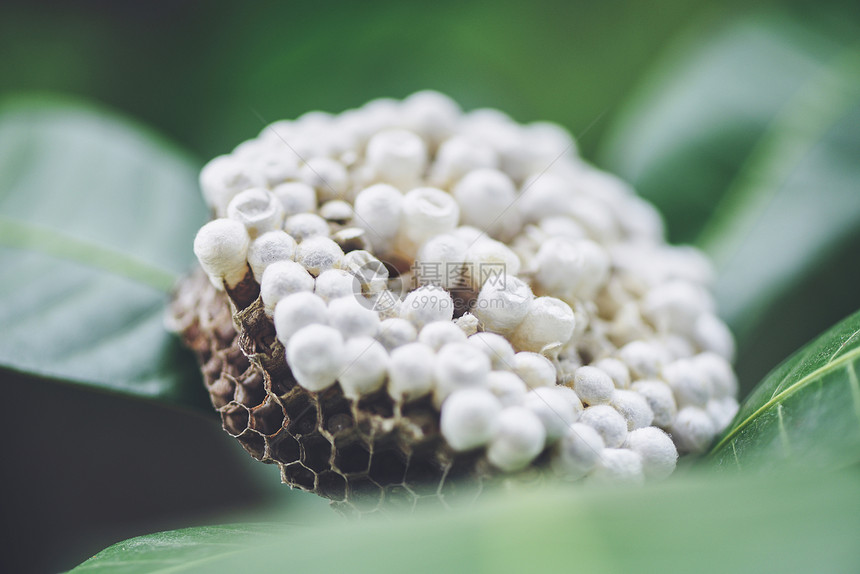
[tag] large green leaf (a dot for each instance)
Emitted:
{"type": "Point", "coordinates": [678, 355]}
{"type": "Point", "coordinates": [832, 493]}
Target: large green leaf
{"type": "Point", "coordinates": [746, 137]}
{"type": "Point", "coordinates": [96, 222]}
{"type": "Point", "coordinates": [806, 412]}
{"type": "Point", "coordinates": [689, 524]}
{"type": "Point", "coordinates": [186, 550]}
{"type": "Point", "coordinates": [690, 126]}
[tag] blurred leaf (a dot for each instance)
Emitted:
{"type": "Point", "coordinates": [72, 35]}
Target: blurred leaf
{"type": "Point", "coordinates": [747, 139]}
{"type": "Point", "coordinates": [97, 217]}
{"type": "Point", "coordinates": [686, 524]}
{"type": "Point", "coordinates": [796, 197]}
{"type": "Point", "coordinates": [189, 549]}
{"type": "Point", "coordinates": [695, 119]}
{"type": "Point", "coordinates": [806, 412]}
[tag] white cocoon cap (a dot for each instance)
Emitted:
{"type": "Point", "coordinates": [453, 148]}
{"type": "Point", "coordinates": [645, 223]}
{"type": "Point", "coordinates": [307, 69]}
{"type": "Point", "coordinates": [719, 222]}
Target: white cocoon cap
{"type": "Point", "coordinates": [693, 430]}
{"type": "Point", "coordinates": [275, 165]}
{"type": "Point", "coordinates": [377, 211]}
{"type": "Point", "coordinates": [296, 311]}
{"type": "Point", "coordinates": [258, 210]}
{"type": "Point", "coordinates": [221, 247]}
{"type": "Point", "coordinates": [319, 253]}
{"type": "Point", "coordinates": [723, 381]}
{"type": "Point", "coordinates": [676, 305]}
{"type": "Point", "coordinates": [396, 332]}
{"type": "Point", "coordinates": [469, 418]}
{"type": "Point", "coordinates": [549, 322]}
{"type": "Point", "coordinates": [327, 176]}
{"type": "Point", "coordinates": [439, 333]}
{"type": "Point", "coordinates": [534, 369]}
{"type": "Point", "coordinates": [458, 156]}
{"type": "Point", "coordinates": [689, 382]}
{"type": "Point", "coordinates": [224, 177]}
{"type": "Point", "coordinates": [440, 261]}
{"type": "Point", "coordinates": [335, 283]}
{"type": "Point", "coordinates": [352, 318]}
{"type": "Point", "coordinates": [572, 269]}
{"type": "Point", "coordinates": [607, 422]}
{"type": "Point", "coordinates": [640, 220]}
{"type": "Point", "coordinates": [487, 259]}
{"type": "Point", "coordinates": [336, 210]}
{"type": "Point", "coordinates": [578, 451]}
{"type": "Point", "coordinates": [365, 365]}
{"type": "Point", "coordinates": [427, 212]}
{"type": "Point", "coordinates": [503, 303]}
{"type": "Point", "coordinates": [486, 198]}
{"type": "Point", "coordinates": [661, 400]}
{"type": "Point", "coordinates": [508, 387]}
{"type": "Point", "coordinates": [592, 385]}
{"type": "Point", "coordinates": [656, 449]}
{"type": "Point", "coordinates": [270, 247]}
{"type": "Point", "coordinates": [642, 358]}
{"type": "Point", "coordinates": [562, 227]}
{"type": "Point", "coordinates": [711, 334]}
{"type": "Point", "coordinates": [315, 356]}
{"type": "Point", "coordinates": [426, 305]}
{"type": "Point", "coordinates": [633, 407]}
{"type": "Point", "coordinates": [617, 371]}
{"type": "Point", "coordinates": [722, 411]}
{"type": "Point", "coordinates": [304, 225]}
{"type": "Point", "coordinates": [280, 279]}
{"type": "Point", "coordinates": [410, 371]}
{"type": "Point", "coordinates": [296, 197]}
{"type": "Point", "coordinates": [596, 217]}
{"type": "Point", "coordinates": [431, 115]}
{"type": "Point", "coordinates": [497, 348]}
{"type": "Point", "coordinates": [544, 196]}
{"type": "Point", "coordinates": [459, 366]}
{"type": "Point", "coordinates": [397, 156]}
{"type": "Point", "coordinates": [518, 438]}
{"type": "Point", "coordinates": [555, 409]}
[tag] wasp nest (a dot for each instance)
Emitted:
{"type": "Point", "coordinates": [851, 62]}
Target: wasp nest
{"type": "Point", "coordinates": [404, 300]}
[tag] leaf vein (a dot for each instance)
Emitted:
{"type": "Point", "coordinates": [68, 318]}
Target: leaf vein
{"type": "Point", "coordinates": [23, 235]}
{"type": "Point", "coordinates": [783, 435]}
{"type": "Point", "coordinates": [855, 388]}
{"type": "Point", "coordinates": [811, 377]}
{"type": "Point", "coordinates": [843, 345]}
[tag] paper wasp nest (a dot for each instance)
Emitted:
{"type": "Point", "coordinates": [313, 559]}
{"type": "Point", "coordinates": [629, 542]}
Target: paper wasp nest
{"type": "Point", "coordinates": [403, 301]}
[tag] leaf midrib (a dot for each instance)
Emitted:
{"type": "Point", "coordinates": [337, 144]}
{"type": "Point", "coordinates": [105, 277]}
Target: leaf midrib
{"type": "Point", "coordinates": [174, 567]}
{"type": "Point", "coordinates": [781, 396]}
{"type": "Point", "coordinates": [27, 236]}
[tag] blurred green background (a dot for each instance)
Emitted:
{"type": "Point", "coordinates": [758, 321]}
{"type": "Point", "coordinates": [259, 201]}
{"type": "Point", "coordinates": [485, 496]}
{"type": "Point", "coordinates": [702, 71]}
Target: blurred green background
{"type": "Point", "coordinates": [196, 70]}
{"type": "Point", "coordinates": [612, 72]}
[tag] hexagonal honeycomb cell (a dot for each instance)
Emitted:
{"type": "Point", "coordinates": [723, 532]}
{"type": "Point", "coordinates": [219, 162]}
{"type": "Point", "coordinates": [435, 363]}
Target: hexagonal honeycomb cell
{"type": "Point", "coordinates": [365, 457]}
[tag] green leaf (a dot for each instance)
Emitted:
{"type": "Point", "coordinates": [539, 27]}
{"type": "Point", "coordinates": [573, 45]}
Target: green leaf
{"type": "Point", "coordinates": [746, 137]}
{"type": "Point", "coordinates": [699, 113]}
{"type": "Point", "coordinates": [806, 412]}
{"type": "Point", "coordinates": [796, 197]}
{"type": "Point", "coordinates": [96, 221]}
{"type": "Point", "coordinates": [186, 550]}
{"type": "Point", "coordinates": [690, 523]}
